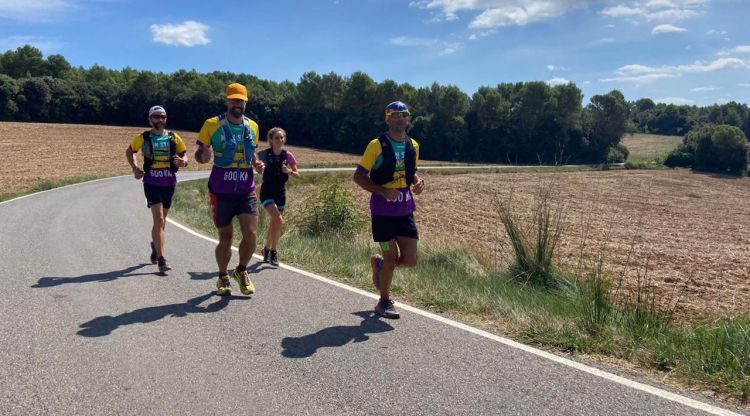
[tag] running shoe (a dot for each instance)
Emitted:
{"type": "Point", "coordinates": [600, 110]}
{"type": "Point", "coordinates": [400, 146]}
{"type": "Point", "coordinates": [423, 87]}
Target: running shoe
{"type": "Point", "coordinates": [164, 266]}
{"type": "Point", "coordinates": [243, 280]}
{"type": "Point", "coordinates": [266, 254]}
{"type": "Point", "coordinates": [154, 256]}
{"type": "Point", "coordinates": [274, 258]}
{"type": "Point", "coordinates": [386, 309]}
{"type": "Point", "coordinates": [222, 286]}
{"type": "Point", "coordinates": [376, 262]}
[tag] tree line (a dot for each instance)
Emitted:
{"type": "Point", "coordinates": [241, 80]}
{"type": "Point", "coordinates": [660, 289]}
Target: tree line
{"type": "Point", "coordinates": [646, 116]}
{"type": "Point", "coordinates": [525, 122]}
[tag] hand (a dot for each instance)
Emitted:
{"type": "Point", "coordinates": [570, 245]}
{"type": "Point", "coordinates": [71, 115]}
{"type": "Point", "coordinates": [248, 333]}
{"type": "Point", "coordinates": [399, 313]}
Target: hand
{"type": "Point", "coordinates": [180, 162]}
{"type": "Point", "coordinates": [259, 166]}
{"type": "Point", "coordinates": [138, 172]}
{"type": "Point", "coordinates": [391, 194]}
{"type": "Point", "coordinates": [418, 187]}
{"type": "Point", "coordinates": [285, 169]}
{"type": "Point", "coordinates": [203, 154]}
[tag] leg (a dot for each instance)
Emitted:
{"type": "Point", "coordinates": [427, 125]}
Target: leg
{"type": "Point", "coordinates": [408, 251]}
{"type": "Point", "coordinates": [224, 248]}
{"type": "Point", "coordinates": [390, 252]}
{"type": "Point", "coordinates": [157, 230]}
{"type": "Point", "coordinates": [274, 229]}
{"type": "Point", "coordinates": [249, 228]}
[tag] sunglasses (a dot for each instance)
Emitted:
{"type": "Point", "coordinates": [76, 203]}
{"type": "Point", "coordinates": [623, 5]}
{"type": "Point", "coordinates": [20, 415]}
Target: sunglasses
{"type": "Point", "coordinates": [398, 114]}
{"type": "Point", "coordinates": [159, 117]}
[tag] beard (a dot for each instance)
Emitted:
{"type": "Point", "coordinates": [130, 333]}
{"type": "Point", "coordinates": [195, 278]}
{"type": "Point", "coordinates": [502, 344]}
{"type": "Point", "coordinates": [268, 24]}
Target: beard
{"type": "Point", "coordinates": [237, 111]}
{"type": "Point", "coordinates": [158, 125]}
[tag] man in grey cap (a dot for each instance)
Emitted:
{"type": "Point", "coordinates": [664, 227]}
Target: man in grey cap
{"type": "Point", "coordinates": [163, 154]}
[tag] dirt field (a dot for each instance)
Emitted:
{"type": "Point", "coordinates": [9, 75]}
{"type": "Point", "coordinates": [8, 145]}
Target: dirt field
{"type": "Point", "coordinates": [685, 234]}
{"type": "Point", "coordinates": [688, 233]}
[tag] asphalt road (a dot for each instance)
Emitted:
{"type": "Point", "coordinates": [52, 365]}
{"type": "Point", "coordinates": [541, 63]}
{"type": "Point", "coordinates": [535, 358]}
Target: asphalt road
{"type": "Point", "coordinates": [88, 328]}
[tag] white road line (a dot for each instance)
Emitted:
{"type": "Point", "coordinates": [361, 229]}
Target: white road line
{"type": "Point", "coordinates": [695, 404]}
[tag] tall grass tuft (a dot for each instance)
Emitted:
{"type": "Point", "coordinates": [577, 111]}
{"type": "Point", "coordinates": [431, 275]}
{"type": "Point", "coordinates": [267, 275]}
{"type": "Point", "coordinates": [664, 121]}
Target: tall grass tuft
{"type": "Point", "coordinates": [534, 246]}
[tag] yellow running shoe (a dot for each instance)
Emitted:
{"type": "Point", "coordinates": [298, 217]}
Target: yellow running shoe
{"type": "Point", "coordinates": [243, 279]}
{"type": "Point", "coordinates": [223, 288]}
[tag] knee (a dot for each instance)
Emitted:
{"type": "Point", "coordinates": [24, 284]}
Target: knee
{"type": "Point", "coordinates": [409, 260]}
{"type": "Point", "coordinates": [390, 259]}
{"type": "Point", "coordinates": [159, 221]}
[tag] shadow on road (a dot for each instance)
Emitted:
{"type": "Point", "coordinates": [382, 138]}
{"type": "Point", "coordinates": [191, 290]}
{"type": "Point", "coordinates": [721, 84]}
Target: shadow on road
{"type": "Point", "coordinates": [104, 325]}
{"type": "Point", "coordinates": [97, 277]}
{"type": "Point", "coordinates": [203, 275]}
{"type": "Point", "coordinates": [335, 336]}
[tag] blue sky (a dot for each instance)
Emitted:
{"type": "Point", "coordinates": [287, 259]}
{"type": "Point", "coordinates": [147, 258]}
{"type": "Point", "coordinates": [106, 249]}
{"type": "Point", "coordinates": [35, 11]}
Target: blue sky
{"type": "Point", "coordinates": [680, 51]}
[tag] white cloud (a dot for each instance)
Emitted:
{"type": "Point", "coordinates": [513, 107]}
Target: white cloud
{"type": "Point", "coordinates": [550, 67]}
{"type": "Point", "coordinates": [674, 100]}
{"type": "Point", "coordinates": [741, 49]}
{"type": "Point", "coordinates": [702, 89]}
{"type": "Point", "coordinates": [643, 74]}
{"type": "Point", "coordinates": [744, 85]}
{"type": "Point", "coordinates": [721, 101]}
{"type": "Point", "coordinates": [638, 79]}
{"type": "Point", "coordinates": [696, 67]}
{"type": "Point", "coordinates": [717, 32]}
{"type": "Point", "coordinates": [445, 48]}
{"type": "Point", "coordinates": [484, 33]}
{"type": "Point", "coordinates": [449, 48]}
{"type": "Point", "coordinates": [499, 13]}
{"type": "Point", "coordinates": [558, 81]}
{"type": "Point", "coordinates": [46, 45]}
{"type": "Point", "coordinates": [667, 28]}
{"type": "Point", "coordinates": [602, 41]}
{"type": "Point", "coordinates": [659, 10]}
{"type": "Point", "coordinates": [189, 33]}
{"type": "Point", "coordinates": [33, 10]}
{"type": "Point", "coordinates": [407, 41]}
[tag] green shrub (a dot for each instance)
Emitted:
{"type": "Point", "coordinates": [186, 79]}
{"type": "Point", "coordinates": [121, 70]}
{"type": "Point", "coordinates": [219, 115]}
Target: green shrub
{"type": "Point", "coordinates": [332, 212]}
{"type": "Point", "coordinates": [679, 157]}
{"type": "Point", "coordinates": [720, 148]}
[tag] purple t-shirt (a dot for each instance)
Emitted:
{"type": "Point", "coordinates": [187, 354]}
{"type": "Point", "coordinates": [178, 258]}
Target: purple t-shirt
{"type": "Point", "coordinates": [160, 177]}
{"type": "Point", "coordinates": [224, 180]}
{"type": "Point", "coordinates": [403, 205]}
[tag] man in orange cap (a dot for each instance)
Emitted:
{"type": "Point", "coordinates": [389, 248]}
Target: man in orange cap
{"type": "Point", "coordinates": [233, 138]}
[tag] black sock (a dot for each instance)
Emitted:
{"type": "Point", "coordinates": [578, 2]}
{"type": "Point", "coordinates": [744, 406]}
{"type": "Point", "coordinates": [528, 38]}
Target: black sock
{"type": "Point", "coordinates": [240, 268]}
{"type": "Point", "coordinates": [224, 275]}
{"type": "Point", "coordinates": [161, 258]}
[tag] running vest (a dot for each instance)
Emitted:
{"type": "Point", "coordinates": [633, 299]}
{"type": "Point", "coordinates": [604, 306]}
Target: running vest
{"type": "Point", "coordinates": [149, 154]}
{"type": "Point", "coordinates": [384, 173]}
{"type": "Point", "coordinates": [273, 173]}
{"type": "Point", "coordinates": [225, 145]}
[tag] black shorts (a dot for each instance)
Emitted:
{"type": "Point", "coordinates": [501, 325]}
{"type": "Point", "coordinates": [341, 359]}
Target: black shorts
{"type": "Point", "coordinates": [224, 207]}
{"type": "Point", "coordinates": [385, 228]}
{"type": "Point", "coordinates": [273, 194]}
{"type": "Point", "coordinates": [158, 195]}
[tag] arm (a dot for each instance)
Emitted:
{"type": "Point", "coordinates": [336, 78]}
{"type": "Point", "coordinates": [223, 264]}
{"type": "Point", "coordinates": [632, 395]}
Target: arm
{"type": "Point", "coordinates": [418, 185]}
{"type": "Point", "coordinates": [291, 170]}
{"type": "Point", "coordinates": [203, 154]}
{"type": "Point", "coordinates": [363, 180]}
{"type": "Point", "coordinates": [130, 157]}
{"type": "Point", "coordinates": [181, 160]}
